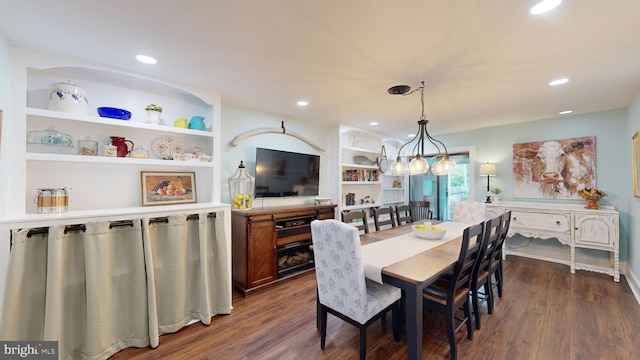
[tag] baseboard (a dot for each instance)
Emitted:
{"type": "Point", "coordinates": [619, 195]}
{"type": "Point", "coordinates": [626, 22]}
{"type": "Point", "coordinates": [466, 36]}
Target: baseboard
{"type": "Point", "coordinates": [634, 283]}
{"type": "Point", "coordinates": [624, 268]}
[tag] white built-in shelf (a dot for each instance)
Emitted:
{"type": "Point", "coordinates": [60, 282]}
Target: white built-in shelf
{"type": "Point", "coordinates": [114, 160]}
{"type": "Point", "coordinates": [356, 149]}
{"type": "Point", "coordinates": [59, 115]}
{"type": "Point", "coordinates": [360, 182]}
{"type": "Point", "coordinates": [357, 166]}
{"type": "Point", "coordinates": [393, 189]}
{"type": "Point", "coordinates": [361, 206]}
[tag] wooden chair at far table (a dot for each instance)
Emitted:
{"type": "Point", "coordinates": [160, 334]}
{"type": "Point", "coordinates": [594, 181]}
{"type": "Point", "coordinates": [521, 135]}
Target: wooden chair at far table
{"type": "Point", "coordinates": [357, 218]}
{"type": "Point", "coordinates": [450, 293]}
{"type": "Point", "coordinates": [421, 210]}
{"type": "Point", "coordinates": [404, 214]}
{"type": "Point", "coordinates": [342, 287]}
{"type": "Point", "coordinates": [383, 216]}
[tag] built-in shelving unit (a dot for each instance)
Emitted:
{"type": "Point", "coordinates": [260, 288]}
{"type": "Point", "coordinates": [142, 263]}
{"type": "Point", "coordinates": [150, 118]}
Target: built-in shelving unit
{"type": "Point", "coordinates": [363, 185]}
{"type": "Point", "coordinates": [99, 182]}
{"type": "Point", "coordinates": [99, 188]}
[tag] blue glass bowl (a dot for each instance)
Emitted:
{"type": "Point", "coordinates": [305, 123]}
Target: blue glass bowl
{"type": "Point", "coordinates": [114, 113]}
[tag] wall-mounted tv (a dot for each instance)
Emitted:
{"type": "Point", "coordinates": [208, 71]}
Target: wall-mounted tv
{"type": "Point", "coordinates": [285, 174]}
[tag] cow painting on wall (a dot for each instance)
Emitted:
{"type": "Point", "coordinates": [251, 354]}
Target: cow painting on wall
{"type": "Point", "coordinates": [554, 169]}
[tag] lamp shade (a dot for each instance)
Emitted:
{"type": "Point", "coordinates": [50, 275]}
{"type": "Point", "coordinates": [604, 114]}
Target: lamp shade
{"type": "Point", "coordinates": [488, 169]}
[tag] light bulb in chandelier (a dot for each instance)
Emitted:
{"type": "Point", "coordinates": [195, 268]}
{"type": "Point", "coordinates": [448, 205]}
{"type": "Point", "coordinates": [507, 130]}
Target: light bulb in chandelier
{"type": "Point", "coordinates": [445, 165]}
{"type": "Point", "coordinates": [398, 167]}
{"type": "Point", "coordinates": [418, 165]}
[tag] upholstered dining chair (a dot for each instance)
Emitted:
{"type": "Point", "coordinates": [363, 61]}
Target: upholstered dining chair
{"type": "Point", "coordinates": [421, 210]}
{"type": "Point", "coordinates": [357, 218]}
{"type": "Point", "coordinates": [383, 216]}
{"type": "Point", "coordinates": [342, 287]}
{"type": "Point", "coordinates": [480, 288]}
{"type": "Point", "coordinates": [404, 214]}
{"type": "Point", "coordinates": [451, 292]}
{"type": "Point", "coordinates": [468, 211]}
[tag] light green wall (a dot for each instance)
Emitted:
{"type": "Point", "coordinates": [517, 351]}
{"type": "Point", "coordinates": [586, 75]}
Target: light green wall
{"type": "Point", "coordinates": [613, 159]}
{"type": "Point", "coordinates": [238, 120]}
{"type": "Point", "coordinates": [4, 103]}
{"type": "Point", "coordinates": [634, 202]}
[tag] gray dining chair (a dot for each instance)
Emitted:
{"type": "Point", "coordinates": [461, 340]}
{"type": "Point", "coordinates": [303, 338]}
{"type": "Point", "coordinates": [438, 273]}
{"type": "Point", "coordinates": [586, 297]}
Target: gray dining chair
{"type": "Point", "coordinates": [342, 288]}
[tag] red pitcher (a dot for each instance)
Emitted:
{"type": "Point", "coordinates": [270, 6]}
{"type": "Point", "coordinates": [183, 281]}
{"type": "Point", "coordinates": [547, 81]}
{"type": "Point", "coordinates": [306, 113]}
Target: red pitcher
{"type": "Point", "coordinates": [121, 145]}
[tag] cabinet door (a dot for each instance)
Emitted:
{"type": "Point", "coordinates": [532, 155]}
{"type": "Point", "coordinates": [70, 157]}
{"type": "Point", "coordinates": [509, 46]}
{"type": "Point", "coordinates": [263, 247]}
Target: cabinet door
{"type": "Point", "coordinates": [262, 253]}
{"type": "Point", "coordinates": [595, 231]}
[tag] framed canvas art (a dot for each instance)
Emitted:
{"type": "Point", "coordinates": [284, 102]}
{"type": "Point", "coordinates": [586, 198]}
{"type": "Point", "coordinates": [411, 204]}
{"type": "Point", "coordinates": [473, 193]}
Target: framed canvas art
{"type": "Point", "coordinates": [554, 169]}
{"type": "Point", "coordinates": [167, 188]}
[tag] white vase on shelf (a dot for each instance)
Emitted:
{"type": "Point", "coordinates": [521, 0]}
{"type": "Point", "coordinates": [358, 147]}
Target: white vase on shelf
{"type": "Point", "coordinates": [154, 116]}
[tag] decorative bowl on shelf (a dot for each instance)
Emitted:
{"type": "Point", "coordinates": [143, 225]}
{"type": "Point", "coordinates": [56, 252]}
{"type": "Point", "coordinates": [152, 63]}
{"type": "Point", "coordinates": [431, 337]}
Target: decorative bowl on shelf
{"type": "Point", "coordinates": [428, 232]}
{"type": "Point", "coordinates": [114, 113]}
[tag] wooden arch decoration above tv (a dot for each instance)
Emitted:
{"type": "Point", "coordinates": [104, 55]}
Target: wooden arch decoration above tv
{"type": "Point", "coordinates": [280, 130]}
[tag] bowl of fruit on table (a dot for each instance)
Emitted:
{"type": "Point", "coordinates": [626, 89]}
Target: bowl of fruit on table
{"type": "Point", "coordinates": [428, 231]}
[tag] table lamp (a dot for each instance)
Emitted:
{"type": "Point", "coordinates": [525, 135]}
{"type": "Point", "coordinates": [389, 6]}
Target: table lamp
{"type": "Point", "coordinates": [488, 169]}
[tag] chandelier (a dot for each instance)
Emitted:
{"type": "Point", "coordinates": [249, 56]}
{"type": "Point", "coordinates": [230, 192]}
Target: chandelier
{"type": "Point", "coordinates": [418, 163]}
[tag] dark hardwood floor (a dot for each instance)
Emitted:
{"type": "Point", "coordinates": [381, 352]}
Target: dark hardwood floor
{"type": "Point", "coordinates": [545, 313]}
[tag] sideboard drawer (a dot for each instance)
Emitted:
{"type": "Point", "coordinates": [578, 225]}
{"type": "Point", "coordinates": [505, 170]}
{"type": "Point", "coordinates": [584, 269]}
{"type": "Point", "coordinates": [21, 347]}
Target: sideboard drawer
{"type": "Point", "coordinates": [557, 223]}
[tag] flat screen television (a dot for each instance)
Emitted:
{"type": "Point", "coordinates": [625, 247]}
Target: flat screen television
{"type": "Point", "coordinates": [285, 174]}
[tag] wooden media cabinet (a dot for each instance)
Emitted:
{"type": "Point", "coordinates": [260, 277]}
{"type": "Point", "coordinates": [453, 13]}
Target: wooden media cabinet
{"type": "Point", "coordinates": [272, 244]}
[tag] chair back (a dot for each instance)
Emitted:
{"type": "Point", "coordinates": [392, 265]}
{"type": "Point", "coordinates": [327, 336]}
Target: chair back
{"type": "Point", "coordinates": [421, 210]}
{"type": "Point", "coordinates": [496, 256]}
{"type": "Point", "coordinates": [506, 222]}
{"type": "Point", "coordinates": [383, 216]}
{"type": "Point", "coordinates": [468, 211]}
{"type": "Point", "coordinates": [490, 240]}
{"type": "Point", "coordinates": [471, 242]}
{"type": "Point", "coordinates": [359, 217]}
{"type": "Point", "coordinates": [404, 214]}
{"type": "Point", "coordinates": [339, 270]}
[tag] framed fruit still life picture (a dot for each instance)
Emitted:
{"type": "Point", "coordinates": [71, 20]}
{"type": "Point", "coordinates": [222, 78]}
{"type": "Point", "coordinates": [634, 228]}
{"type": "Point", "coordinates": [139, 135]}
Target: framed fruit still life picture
{"type": "Point", "coordinates": [168, 188]}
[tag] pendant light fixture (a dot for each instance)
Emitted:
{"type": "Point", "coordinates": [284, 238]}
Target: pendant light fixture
{"type": "Point", "coordinates": [419, 164]}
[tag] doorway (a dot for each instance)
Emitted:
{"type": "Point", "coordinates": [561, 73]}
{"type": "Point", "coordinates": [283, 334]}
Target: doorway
{"type": "Point", "coordinates": [442, 191]}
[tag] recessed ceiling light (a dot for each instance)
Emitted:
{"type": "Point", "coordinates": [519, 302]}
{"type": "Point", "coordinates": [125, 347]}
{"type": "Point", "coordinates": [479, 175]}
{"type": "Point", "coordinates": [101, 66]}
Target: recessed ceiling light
{"type": "Point", "coordinates": [411, 135]}
{"type": "Point", "coordinates": [559, 82]}
{"type": "Point", "coordinates": [565, 112]}
{"type": "Point", "coordinates": [146, 59]}
{"type": "Point", "coordinates": [544, 6]}
{"type": "Point", "coordinates": [374, 123]}
{"type": "Point", "coordinates": [302, 103]}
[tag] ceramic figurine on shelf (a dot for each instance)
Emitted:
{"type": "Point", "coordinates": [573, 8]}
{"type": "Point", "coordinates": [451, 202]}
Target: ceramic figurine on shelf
{"type": "Point", "coordinates": [181, 123]}
{"type": "Point", "coordinates": [197, 123]}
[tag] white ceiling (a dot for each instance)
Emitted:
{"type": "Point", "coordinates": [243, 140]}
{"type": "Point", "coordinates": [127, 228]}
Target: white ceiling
{"type": "Point", "coordinates": [484, 63]}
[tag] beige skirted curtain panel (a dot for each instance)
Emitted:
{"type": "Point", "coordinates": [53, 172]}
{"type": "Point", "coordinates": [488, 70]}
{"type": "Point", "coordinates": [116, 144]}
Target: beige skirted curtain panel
{"type": "Point", "coordinates": [115, 285]}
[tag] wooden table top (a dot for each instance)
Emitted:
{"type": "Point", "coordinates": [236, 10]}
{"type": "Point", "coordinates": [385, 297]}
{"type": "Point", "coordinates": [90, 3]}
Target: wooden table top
{"type": "Point", "coordinates": [423, 267]}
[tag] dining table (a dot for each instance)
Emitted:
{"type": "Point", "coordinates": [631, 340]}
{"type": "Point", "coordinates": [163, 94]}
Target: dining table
{"type": "Point", "coordinates": [397, 257]}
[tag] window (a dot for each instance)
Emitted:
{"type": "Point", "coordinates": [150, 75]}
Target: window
{"type": "Point", "coordinates": [442, 191]}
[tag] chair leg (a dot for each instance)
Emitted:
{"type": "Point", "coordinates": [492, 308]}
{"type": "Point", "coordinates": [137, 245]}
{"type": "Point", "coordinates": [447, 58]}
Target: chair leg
{"type": "Point", "coordinates": [363, 343]}
{"type": "Point", "coordinates": [488, 286]}
{"type": "Point", "coordinates": [476, 307]}
{"type": "Point", "coordinates": [323, 326]}
{"type": "Point", "coordinates": [317, 311]}
{"type": "Point", "coordinates": [467, 314]}
{"type": "Point", "coordinates": [451, 333]}
{"type": "Point", "coordinates": [499, 278]}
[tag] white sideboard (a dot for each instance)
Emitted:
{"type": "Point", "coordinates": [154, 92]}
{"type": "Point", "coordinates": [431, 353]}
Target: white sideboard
{"type": "Point", "coordinates": [571, 224]}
